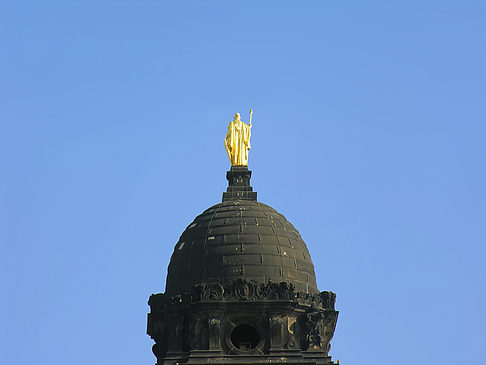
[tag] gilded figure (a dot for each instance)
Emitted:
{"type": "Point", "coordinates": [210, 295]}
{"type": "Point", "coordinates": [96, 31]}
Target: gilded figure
{"type": "Point", "coordinates": [237, 141]}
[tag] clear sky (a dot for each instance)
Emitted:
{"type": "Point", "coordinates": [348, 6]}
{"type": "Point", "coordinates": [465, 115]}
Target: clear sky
{"type": "Point", "coordinates": [368, 135]}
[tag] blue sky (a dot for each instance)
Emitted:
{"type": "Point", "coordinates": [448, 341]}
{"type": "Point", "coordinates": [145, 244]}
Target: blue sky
{"type": "Point", "coordinates": [368, 135]}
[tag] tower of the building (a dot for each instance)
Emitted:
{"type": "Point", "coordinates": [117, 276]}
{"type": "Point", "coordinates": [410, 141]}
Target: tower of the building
{"type": "Point", "coordinates": [241, 288]}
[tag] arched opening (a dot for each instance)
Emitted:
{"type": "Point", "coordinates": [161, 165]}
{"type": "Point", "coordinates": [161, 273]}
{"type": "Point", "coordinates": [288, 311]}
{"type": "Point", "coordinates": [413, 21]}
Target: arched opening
{"type": "Point", "coordinates": [245, 337]}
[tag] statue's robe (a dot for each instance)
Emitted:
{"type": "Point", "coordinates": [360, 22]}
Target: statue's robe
{"type": "Point", "coordinates": [237, 143]}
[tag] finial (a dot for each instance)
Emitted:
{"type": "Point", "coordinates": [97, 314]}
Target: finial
{"type": "Point", "coordinates": [237, 141]}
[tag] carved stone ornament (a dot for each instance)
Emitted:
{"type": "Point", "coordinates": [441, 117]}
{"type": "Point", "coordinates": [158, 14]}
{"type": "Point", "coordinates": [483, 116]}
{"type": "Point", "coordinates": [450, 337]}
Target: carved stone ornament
{"type": "Point", "coordinates": [319, 328]}
{"type": "Point", "coordinates": [244, 290]}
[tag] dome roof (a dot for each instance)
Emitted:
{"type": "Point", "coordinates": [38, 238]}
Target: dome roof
{"type": "Point", "coordinates": [240, 239]}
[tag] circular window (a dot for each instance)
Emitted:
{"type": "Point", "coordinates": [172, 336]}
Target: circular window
{"type": "Point", "coordinates": [245, 337]}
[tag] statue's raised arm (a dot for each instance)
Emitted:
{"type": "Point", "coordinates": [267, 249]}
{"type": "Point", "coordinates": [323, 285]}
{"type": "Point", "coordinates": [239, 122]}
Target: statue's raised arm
{"type": "Point", "coordinates": [237, 141]}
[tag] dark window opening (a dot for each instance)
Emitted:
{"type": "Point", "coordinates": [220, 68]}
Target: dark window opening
{"type": "Point", "coordinates": [245, 337]}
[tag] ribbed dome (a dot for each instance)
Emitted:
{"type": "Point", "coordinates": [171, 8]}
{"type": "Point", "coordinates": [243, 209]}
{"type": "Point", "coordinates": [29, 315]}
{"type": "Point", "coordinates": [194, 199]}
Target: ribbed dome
{"type": "Point", "coordinates": [240, 239]}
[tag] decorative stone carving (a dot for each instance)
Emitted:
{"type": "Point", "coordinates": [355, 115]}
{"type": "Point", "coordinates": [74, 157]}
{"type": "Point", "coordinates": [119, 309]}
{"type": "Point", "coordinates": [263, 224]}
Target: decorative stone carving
{"type": "Point", "coordinates": [243, 290]}
{"type": "Point", "coordinates": [209, 291]}
{"type": "Point", "coordinates": [175, 327]}
{"type": "Point", "coordinates": [275, 324]}
{"type": "Point", "coordinates": [328, 299]}
{"type": "Point", "coordinates": [325, 299]}
{"type": "Point", "coordinates": [214, 334]}
{"type": "Point", "coordinates": [159, 332]}
{"type": "Point", "coordinates": [327, 328]}
{"type": "Point", "coordinates": [314, 330]}
{"type": "Point", "coordinates": [157, 300]}
{"type": "Point", "coordinates": [197, 334]}
{"type": "Point", "coordinates": [290, 335]}
{"type": "Point", "coordinates": [319, 329]}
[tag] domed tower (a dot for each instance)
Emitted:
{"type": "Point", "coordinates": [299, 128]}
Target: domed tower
{"type": "Point", "coordinates": [241, 289]}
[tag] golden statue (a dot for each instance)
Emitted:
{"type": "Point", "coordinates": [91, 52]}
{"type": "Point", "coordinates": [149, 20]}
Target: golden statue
{"type": "Point", "coordinates": [237, 141]}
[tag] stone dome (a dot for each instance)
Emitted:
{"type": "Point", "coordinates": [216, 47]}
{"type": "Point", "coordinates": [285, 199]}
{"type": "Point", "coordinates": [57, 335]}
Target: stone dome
{"type": "Point", "coordinates": [241, 289]}
{"type": "Point", "coordinates": [240, 239]}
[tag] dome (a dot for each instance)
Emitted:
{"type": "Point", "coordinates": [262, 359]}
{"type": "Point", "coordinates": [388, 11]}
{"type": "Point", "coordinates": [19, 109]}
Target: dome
{"type": "Point", "coordinates": [240, 239]}
{"type": "Point", "coordinates": [241, 289]}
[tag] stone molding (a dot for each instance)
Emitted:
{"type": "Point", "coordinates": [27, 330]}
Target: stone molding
{"type": "Point", "coordinates": [244, 290]}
